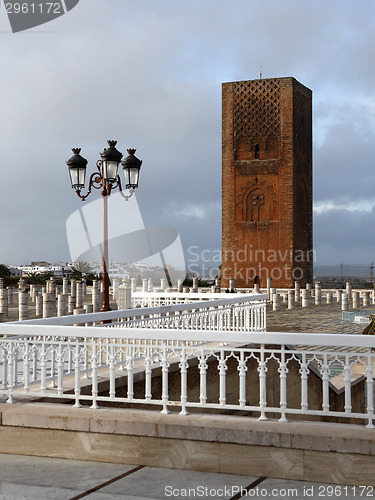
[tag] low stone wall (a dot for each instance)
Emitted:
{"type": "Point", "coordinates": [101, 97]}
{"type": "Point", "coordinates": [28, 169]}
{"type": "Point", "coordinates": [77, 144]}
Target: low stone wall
{"type": "Point", "coordinates": [307, 451]}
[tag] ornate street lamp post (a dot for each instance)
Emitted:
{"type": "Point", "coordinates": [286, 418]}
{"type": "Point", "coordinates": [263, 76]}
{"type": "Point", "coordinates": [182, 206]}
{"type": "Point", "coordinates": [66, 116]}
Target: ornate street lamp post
{"type": "Point", "coordinates": [106, 179]}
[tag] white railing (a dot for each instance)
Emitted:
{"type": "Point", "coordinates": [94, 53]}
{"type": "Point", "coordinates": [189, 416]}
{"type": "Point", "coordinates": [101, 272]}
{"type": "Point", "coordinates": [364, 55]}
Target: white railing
{"type": "Point", "coordinates": [233, 314]}
{"type": "Point", "coordinates": [153, 299]}
{"type": "Point", "coordinates": [237, 312]}
{"type": "Point", "coordinates": [264, 374]}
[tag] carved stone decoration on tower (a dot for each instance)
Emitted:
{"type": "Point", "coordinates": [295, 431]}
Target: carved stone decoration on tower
{"type": "Point", "coordinates": [267, 182]}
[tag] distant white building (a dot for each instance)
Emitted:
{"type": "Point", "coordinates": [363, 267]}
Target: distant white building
{"type": "Point", "coordinates": [56, 270]}
{"type": "Point", "coordinates": [14, 271]}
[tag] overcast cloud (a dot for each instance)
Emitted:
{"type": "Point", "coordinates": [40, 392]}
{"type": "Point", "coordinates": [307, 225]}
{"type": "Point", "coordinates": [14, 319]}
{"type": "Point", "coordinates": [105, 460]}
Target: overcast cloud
{"type": "Point", "coordinates": [149, 74]}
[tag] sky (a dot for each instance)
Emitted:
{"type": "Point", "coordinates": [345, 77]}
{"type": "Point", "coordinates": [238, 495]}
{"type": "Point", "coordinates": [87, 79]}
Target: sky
{"type": "Point", "coordinates": [149, 74]}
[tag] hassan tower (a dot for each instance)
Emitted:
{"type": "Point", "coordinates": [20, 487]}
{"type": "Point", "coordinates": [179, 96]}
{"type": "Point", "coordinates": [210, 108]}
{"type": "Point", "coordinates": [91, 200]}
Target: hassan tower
{"type": "Point", "coordinates": [267, 182]}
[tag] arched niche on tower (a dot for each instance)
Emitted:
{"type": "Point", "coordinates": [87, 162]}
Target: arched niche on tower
{"type": "Point", "coordinates": [258, 203]}
{"type": "Point", "coordinates": [255, 206]}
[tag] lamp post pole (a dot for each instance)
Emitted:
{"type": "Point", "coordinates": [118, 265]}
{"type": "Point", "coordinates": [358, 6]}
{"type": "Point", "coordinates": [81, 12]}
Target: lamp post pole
{"type": "Point", "coordinates": [105, 306]}
{"type": "Point", "coordinates": [106, 179]}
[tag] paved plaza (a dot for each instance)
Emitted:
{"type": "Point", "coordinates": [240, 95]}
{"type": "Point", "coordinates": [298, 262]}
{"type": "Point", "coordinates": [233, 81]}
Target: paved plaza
{"type": "Point", "coordinates": [325, 318]}
{"type": "Point", "coordinates": [56, 479]}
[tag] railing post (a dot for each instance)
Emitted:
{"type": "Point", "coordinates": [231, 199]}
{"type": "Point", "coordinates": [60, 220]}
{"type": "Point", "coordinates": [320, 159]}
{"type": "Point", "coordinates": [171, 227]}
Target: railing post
{"type": "Point", "coordinates": [130, 368]}
{"type": "Point", "coordinates": [94, 373]}
{"type": "Point", "coordinates": [325, 381]}
{"type": "Point", "coordinates": [15, 367]}
{"type": "Point", "coordinates": [5, 366]}
{"type": "Point", "coordinates": [164, 370]}
{"type": "Point", "coordinates": [43, 369]}
{"type": "Point", "coordinates": [34, 363]}
{"type": "Point", "coordinates": [148, 371]}
{"type": "Point", "coordinates": [222, 382]}
{"type": "Point", "coordinates": [283, 396]}
{"type": "Point", "coordinates": [370, 390]}
{"type": "Point", "coordinates": [77, 374]}
{"type": "Point", "coordinates": [26, 367]}
{"type": "Point", "coordinates": [203, 378]}
{"type": "Point", "coordinates": [183, 369]}
{"type": "Point", "coordinates": [112, 374]}
{"type": "Point", "coordinates": [347, 381]}
{"type": "Point", "coordinates": [10, 365]}
{"type": "Point", "coordinates": [242, 369]}
{"type": "Point", "coordinates": [304, 371]}
{"type": "Point", "coordinates": [262, 370]}
{"type": "Point", "coordinates": [264, 316]}
{"type": "Point", "coordinates": [60, 369]}
{"type": "Point", "coordinates": [53, 367]}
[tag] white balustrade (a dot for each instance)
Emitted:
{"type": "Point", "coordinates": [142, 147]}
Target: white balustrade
{"type": "Point", "coordinates": [45, 358]}
{"type": "Point", "coordinates": [224, 339]}
{"type": "Point", "coordinates": [238, 313]}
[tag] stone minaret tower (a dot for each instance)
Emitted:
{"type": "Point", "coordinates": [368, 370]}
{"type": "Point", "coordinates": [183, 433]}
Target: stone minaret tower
{"type": "Point", "coordinates": [267, 182]}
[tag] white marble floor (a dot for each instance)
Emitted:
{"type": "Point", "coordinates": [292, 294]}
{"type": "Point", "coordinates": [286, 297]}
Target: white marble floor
{"type": "Point", "coordinates": [55, 479]}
